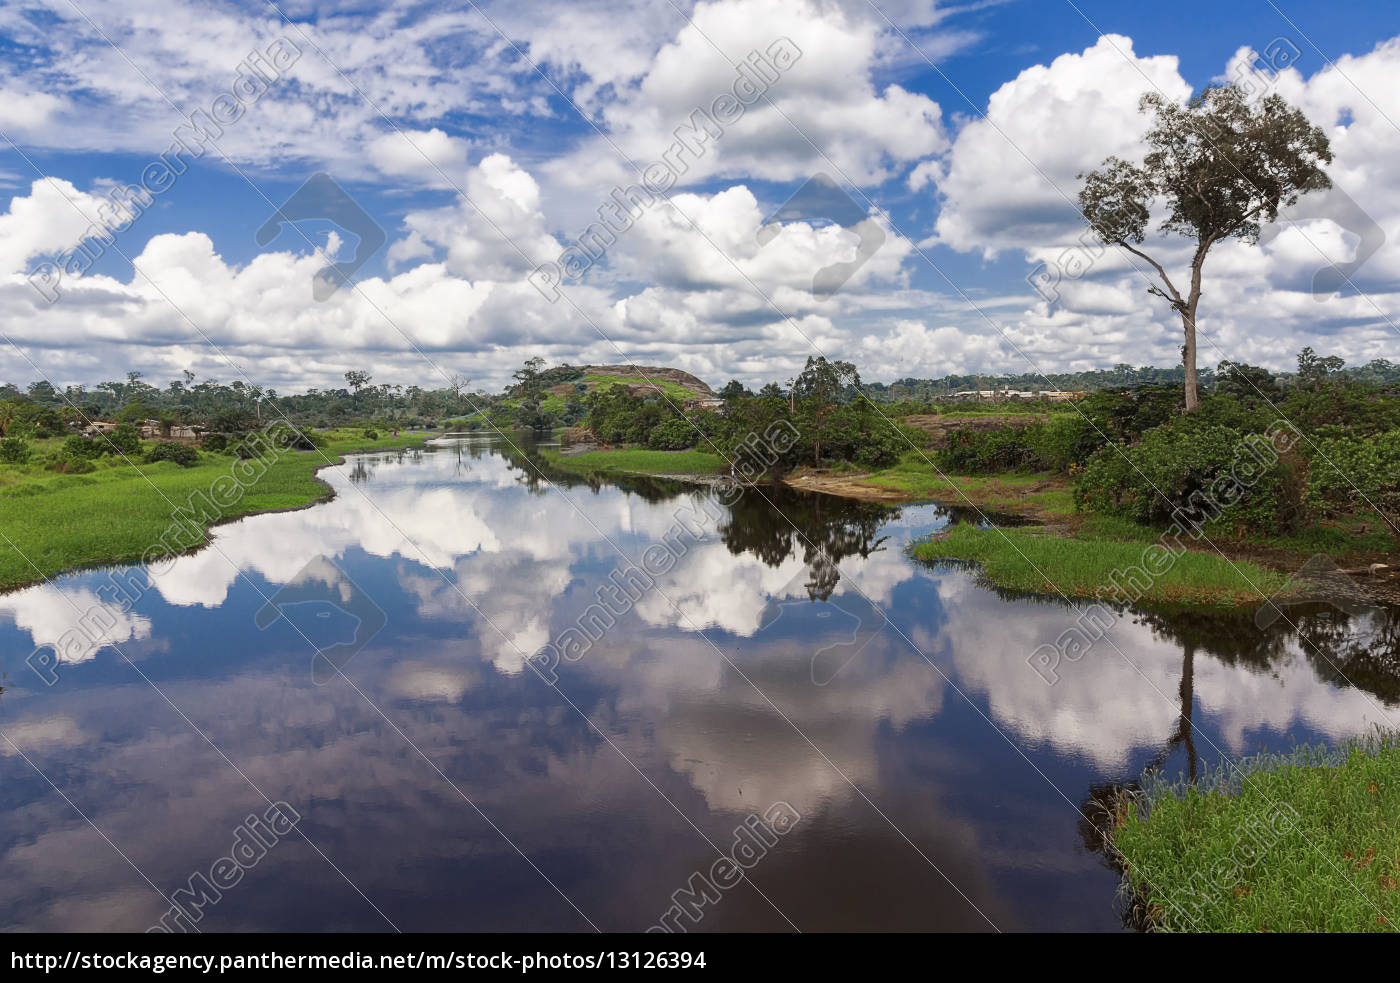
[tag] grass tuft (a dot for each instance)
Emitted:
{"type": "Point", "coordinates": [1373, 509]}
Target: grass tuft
{"type": "Point", "coordinates": [1303, 842]}
{"type": "Point", "coordinates": [1032, 561]}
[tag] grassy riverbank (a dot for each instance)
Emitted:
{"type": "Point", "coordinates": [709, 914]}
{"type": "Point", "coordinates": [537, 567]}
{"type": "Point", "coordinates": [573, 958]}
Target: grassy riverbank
{"type": "Point", "coordinates": [1309, 842]}
{"type": "Point", "coordinates": [636, 460]}
{"type": "Point", "coordinates": [54, 522]}
{"type": "Point", "coordinates": [1039, 561]}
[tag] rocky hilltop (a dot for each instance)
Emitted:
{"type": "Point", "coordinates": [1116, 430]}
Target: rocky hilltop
{"type": "Point", "coordinates": [654, 373]}
{"type": "Point", "coordinates": [639, 380]}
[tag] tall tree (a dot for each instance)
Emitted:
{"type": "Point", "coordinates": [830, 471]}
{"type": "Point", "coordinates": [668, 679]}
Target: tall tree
{"type": "Point", "coordinates": [357, 379]}
{"type": "Point", "coordinates": [820, 386]}
{"type": "Point", "coordinates": [1222, 166]}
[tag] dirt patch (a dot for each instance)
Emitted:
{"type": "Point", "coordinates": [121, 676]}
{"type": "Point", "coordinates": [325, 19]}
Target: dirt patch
{"type": "Point", "coordinates": [941, 428]}
{"type": "Point", "coordinates": [988, 494]}
{"type": "Point", "coordinates": [847, 486]}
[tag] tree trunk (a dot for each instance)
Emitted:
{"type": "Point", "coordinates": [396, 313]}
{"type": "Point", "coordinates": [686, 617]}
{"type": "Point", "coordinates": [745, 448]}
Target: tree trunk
{"type": "Point", "coordinates": [1188, 361]}
{"type": "Point", "coordinates": [1188, 325]}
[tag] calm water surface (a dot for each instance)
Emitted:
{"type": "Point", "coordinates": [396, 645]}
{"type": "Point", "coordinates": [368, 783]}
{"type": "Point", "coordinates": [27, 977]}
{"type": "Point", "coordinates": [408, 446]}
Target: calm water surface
{"type": "Point", "coordinates": [792, 656]}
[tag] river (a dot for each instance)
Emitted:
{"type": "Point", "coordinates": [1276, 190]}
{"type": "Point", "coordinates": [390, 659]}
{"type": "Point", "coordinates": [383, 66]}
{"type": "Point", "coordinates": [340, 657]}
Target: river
{"type": "Point", "coordinates": [777, 691]}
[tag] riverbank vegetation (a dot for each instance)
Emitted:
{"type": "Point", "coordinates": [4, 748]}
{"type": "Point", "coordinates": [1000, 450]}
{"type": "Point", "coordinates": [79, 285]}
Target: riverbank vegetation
{"type": "Point", "coordinates": [1303, 842]}
{"type": "Point", "coordinates": [1265, 469]}
{"type": "Point", "coordinates": [54, 518]}
{"type": "Point", "coordinates": [637, 461]}
{"type": "Point", "coordinates": [1032, 560]}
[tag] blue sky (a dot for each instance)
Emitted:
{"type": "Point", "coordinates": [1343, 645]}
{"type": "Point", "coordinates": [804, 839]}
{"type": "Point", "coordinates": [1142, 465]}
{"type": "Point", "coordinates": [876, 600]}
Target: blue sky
{"type": "Point", "coordinates": [482, 138]}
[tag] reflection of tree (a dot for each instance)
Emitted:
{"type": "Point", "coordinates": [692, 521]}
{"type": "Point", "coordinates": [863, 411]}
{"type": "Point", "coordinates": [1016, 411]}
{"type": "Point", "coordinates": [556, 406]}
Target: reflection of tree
{"type": "Point", "coordinates": [759, 520]}
{"type": "Point", "coordinates": [775, 522]}
{"type": "Point", "coordinates": [1357, 650]}
{"type": "Point", "coordinates": [1363, 651]}
{"type": "Point", "coordinates": [538, 475]}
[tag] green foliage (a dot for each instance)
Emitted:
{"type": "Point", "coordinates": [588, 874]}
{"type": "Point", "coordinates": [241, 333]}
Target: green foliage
{"type": "Point", "coordinates": [167, 450]}
{"type": "Point", "coordinates": [1191, 467]}
{"type": "Point", "coordinates": [1053, 445]}
{"type": "Point", "coordinates": [126, 439]}
{"type": "Point", "coordinates": [1004, 449]}
{"type": "Point", "coordinates": [1029, 561]}
{"type": "Point", "coordinates": [133, 413]}
{"type": "Point", "coordinates": [64, 464]}
{"type": "Point", "coordinates": [637, 461]}
{"type": "Point", "coordinates": [618, 418]}
{"type": "Point", "coordinates": [215, 443]}
{"type": "Point", "coordinates": [81, 448]}
{"type": "Point", "coordinates": [114, 515]}
{"type": "Point", "coordinates": [673, 435]}
{"type": "Point", "coordinates": [15, 450]}
{"type": "Point", "coordinates": [1305, 842]}
{"type": "Point", "coordinates": [1357, 475]}
{"type": "Point", "coordinates": [370, 434]}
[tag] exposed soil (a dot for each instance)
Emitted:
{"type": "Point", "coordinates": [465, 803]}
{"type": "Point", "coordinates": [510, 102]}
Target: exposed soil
{"type": "Point", "coordinates": [989, 493]}
{"type": "Point", "coordinates": [942, 427]}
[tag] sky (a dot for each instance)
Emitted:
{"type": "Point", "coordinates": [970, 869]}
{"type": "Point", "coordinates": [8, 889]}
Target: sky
{"type": "Point", "coordinates": [889, 183]}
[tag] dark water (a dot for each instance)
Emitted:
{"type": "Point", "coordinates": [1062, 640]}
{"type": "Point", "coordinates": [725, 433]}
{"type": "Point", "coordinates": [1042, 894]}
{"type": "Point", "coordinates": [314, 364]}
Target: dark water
{"type": "Point", "coordinates": [936, 780]}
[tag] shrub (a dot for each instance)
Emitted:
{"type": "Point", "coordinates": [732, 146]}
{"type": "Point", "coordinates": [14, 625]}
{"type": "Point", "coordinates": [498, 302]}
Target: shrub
{"type": "Point", "coordinates": [1357, 475]}
{"type": "Point", "coordinates": [1053, 445]}
{"type": "Point", "coordinates": [126, 439]}
{"type": "Point", "coordinates": [82, 448]}
{"type": "Point", "coordinates": [1189, 468]}
{"type": "Point", "coordinates": [370, 434]}
{"type": "Point", "coordinates": [215, 443]}
{"type": "Point", "coordinates": [66, 464]}
{"type": "Point", "coordinates": [1063, 441]}
{"type": "Point", "coordinates": [672, 435]}
{"type": "Point", "coordinates": [14, 450]}
{"type": "Point", "coordinates": [1004, 449]}
{"type": "Point", "coordinates": [301, 439]}
{"type": "Point", "coordinates": [168, 450]}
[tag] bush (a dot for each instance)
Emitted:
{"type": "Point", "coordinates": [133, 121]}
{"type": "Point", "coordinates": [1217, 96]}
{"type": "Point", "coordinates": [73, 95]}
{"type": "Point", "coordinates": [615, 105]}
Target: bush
{"type": "Point", "coordinates": [215, 443]}
{"type": "Point", "coordinates": [1005, 449]}
{"type": "Point", "coordinates": [1357, 475]}
{"type": "Point", "coordinates": [126, 439]}
{"type": "Point", "coordinates": [1201, 470]}
{"type": "Point", "coordinates": [81, 448]}
{"type": "Point", "coordinates": [370, 434]}
{"type": "Point", "coordinates": [672, 435]}
{"type": "Point", "coordinates": [66, 464]}
{"type": "Point", "coordinates": [303, 439]}
{"type": "Point", "coordinates": [168, 450]}
{"type": "Point", "coordinates": [15, 450]}
{"type": "Point", "coordinates": [1062, 442]}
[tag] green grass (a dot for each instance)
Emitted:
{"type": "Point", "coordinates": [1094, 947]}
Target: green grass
{"type": "Point", "coordinates": [1302, 844]}
{"type": "Point", "coordinates": [52, 522]}
{"type": "Point", "coordinates": [914, 475]}
{"type": "Point", "coordinates": [1031, 560]}
{"type": "Point", "coordinates": [637, 460]}
{"type": "Point", "coordinates": [1335, 538]}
